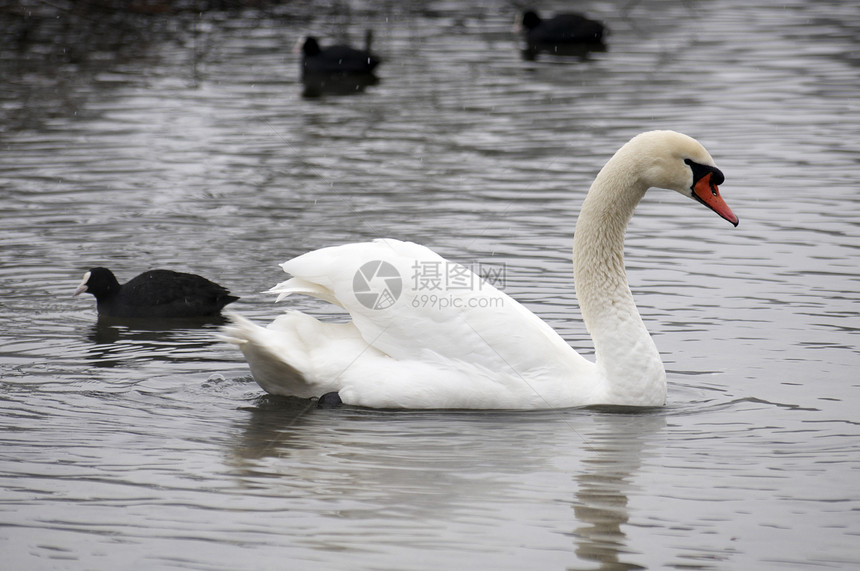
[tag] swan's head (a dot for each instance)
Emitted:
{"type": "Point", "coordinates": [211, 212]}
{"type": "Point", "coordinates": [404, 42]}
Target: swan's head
{"type": "Point", "coordinates": [680, 163]}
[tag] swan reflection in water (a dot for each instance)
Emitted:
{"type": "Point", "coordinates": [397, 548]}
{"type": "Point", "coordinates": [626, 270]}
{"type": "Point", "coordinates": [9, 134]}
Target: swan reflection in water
{"type": "Point", "coordinates": [450, 473]}
{"type": "Point", "coordinates": [616, 448]}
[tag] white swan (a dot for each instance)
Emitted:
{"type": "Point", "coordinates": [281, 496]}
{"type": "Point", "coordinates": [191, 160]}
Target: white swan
{"type": "Point", "coordinates": [474, 346]}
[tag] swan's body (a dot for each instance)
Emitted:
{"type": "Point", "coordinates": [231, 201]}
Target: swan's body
{"type": "Point", "coordinates": [482, 350]}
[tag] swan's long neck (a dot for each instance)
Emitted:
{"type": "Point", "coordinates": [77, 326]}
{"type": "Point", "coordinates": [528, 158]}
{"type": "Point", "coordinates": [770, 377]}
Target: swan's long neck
{"type": "Point", "coordinates": [627, 358]}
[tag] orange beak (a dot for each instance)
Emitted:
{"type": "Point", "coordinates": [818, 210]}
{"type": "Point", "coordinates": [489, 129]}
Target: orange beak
{"type": "Point", "coordinates": [708, 194]}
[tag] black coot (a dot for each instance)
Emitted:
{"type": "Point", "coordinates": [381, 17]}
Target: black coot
{"type": "Point", "coordinates": [561, 33]}
{"type": "Point", "coordinates": [338, 59]}
{"type": "Point", "coordinates": [155, 294]}
{"type": "Point", "coordinates": [339, 69]}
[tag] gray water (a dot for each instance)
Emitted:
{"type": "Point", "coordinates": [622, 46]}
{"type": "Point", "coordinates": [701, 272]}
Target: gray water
{"type": "Point", "coordinates": [184, 142]}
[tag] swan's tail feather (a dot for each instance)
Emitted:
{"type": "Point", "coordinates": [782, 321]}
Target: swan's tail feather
{"type": "Point", "coordinates": [234, 332]}
{"type": "Point", "coordinates": [300, 286]}
{"type": "Point", "coordinates": [275, 367]}
{"type": "Point", "coordinates": [297, 355]}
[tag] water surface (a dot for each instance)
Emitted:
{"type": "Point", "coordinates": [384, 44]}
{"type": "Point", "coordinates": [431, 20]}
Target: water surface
{"type": "Point", "coordinates": [185, 143]}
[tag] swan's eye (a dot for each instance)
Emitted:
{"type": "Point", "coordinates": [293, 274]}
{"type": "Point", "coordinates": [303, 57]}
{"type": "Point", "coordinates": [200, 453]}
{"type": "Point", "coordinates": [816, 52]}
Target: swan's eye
{"type": "Point", "coordinates": [700, 171]}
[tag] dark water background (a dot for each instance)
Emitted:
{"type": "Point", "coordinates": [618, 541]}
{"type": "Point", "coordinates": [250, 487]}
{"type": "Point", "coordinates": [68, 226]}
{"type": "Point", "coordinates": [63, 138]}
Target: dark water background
{"type": "Point", "coordinates": [183, 142]}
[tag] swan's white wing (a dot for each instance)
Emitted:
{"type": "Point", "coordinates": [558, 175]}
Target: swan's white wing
{"type": "Point", "coordinates": [388, 288]}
